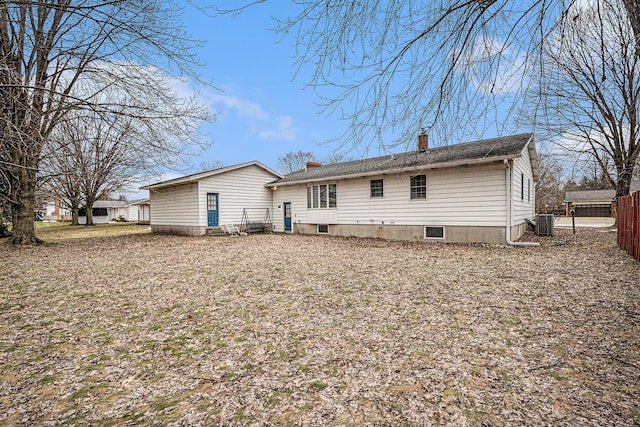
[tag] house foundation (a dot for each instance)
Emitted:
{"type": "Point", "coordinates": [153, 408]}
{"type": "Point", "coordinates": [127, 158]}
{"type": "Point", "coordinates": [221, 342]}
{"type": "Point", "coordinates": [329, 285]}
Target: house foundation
{"type": "Point", "coordinates": [182, 230]}
{"type": "Point", "coordinates": [451, 234]}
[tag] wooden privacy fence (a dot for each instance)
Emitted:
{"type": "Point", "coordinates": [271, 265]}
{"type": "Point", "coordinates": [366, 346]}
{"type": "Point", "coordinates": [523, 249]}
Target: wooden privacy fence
{"type": "Point", "coordinates": [629, 224]}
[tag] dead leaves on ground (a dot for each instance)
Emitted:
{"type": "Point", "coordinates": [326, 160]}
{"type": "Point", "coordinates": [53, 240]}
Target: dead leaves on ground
{"type": "Point", "coordinates": [283, 329]}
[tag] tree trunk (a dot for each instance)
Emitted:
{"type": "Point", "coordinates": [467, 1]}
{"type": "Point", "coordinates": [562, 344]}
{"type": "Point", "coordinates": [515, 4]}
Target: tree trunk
{"type": "Point", "coordinates": [89, 212]}
{"type": "Point", "coordinates": [74, 216]}
{"type": "Point", "coordinates": [23, 209]}
{"type": "Point", "coordinates": [632, 8]}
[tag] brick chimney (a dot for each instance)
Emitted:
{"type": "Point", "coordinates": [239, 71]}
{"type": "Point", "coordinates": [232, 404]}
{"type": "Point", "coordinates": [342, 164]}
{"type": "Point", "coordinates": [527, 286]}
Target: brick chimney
{"type": "Point", "coordinates": [313, 165]}
{"type": "Point", "coordinates": [423, 141]}
{"type": "Point", "coordinates": [56, 210]}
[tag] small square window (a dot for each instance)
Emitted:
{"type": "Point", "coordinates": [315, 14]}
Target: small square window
{"type": "Point", "coordinates": [323, 229]}
{"type": "Point", "coordinates": [377, 188]}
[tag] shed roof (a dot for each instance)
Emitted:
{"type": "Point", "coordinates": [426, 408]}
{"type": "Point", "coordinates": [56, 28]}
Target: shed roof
{"type": "Point", "coordinates": [483, 151]}
{"type": "Point", "coordinates": [201, 175]}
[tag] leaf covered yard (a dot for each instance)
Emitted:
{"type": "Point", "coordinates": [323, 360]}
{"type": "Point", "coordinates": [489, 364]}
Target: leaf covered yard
{"type": "Point", "coordinates": [145, 329]}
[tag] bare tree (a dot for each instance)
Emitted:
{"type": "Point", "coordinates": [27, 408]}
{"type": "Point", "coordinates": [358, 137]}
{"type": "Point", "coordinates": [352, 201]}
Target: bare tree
{"type": "Point", "coordinates": [550, 184]}
{"type": "Point", "coordinates": [295, 161]}
{"type": "Point", "coordinates": [336, 157]}
{"type": "Point", "coordinates": [211, 165]}
{"type": "Point", "coordinates": [91, 156]}
{"type": "Point", "coordinates": [62, 55]}
{"type": "Point", "coordinates": [590, 91]}
{"type": "Point", "coordinates": [454, 67]}
{"type": "Point", "coordinates": [61, 175]}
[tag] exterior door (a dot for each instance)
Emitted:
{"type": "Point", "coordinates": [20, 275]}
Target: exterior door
{"type": "Point", "coordinates": [212, 209]}
{"type": "Point", "coordinates": [287, 217]}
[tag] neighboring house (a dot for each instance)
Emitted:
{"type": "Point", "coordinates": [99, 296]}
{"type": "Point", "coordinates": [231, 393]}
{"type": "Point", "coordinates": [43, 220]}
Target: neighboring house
{"type": "Point", "coordinates": [53, 210]}
{"type": "Point", "coordinates": [99, 216]}
{"type": "Point", "coordinates": [124, 211]}
{"type": "Point", "coordinates": [143, 207]}
{"type": "Point", "coordinates": [594, 203]}
{"type": "Point", "coordinates": [473, 192]}
{"type": "Point", "coordinates": [191, 204]}
{"type": "Point", "coordinates": [104, 211]}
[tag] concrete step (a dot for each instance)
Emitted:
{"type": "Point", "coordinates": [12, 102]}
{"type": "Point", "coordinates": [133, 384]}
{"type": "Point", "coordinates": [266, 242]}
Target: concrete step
{"type": "Point", "coordinates": [215, 231]}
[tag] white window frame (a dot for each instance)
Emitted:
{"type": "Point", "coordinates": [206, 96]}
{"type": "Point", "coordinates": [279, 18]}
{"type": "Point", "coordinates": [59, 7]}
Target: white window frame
{"type": "Point", "coordinates": [444, 232]}
{"type": "Point", "coordinates": [380, 189]}
{"type": "Point", "coordinates": [411, 187]}
{"type": "Point", "coordinates": [322, 196]}
{"type": "Point", "coordinates": [322, 225]}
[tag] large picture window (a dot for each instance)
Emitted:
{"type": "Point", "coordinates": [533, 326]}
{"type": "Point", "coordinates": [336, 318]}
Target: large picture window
{"type": "Point", "coordinates": [332, 195]}
{"type": "Point", "coordinates": [419, 187]}
{"type": "Point", "coordinates": [321, 196]}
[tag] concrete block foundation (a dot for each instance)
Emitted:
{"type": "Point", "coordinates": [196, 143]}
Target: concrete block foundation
{"type": "Point", "coordinates": [452, 234]}
{"type": "Point", "coordinates": [182, 230]}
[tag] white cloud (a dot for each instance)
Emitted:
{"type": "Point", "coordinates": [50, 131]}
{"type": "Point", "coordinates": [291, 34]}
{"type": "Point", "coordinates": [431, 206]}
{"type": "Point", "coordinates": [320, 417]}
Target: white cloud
{"type": "Point", "coordinates": [496, 69]}
{"type": "Point", "coordinates": [243, 107]}
{"type": "Point", "coordinates": [259, 122]}
{"type": "Point", "coordinates": [284, 130]}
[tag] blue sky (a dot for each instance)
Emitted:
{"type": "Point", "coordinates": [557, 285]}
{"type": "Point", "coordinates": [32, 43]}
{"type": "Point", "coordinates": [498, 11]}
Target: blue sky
{"type": "Point", "coordinates": [262, 112]}
{"type": "Point", "coordinates": [263, 109]}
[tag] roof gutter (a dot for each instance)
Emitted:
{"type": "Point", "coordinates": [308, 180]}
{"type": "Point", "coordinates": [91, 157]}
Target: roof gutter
{"type": "Point", "coordinates": [398, 170]}
{"type": "Point", "coordinates": [509, 209]}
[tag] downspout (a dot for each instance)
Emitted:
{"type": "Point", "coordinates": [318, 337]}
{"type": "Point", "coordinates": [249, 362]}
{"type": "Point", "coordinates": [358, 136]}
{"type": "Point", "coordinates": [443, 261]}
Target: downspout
{"type": "Point", "coordinates": [509, 198]}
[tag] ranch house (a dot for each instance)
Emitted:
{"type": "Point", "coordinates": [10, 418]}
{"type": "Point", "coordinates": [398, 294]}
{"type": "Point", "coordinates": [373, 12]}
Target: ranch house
{"type": "Point", "coordinates": [475, 192]}
{"type": "Point", "coordinates": [472, 192]}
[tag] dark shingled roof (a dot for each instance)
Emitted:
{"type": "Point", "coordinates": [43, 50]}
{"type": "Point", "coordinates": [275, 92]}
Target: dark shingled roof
{"type": "Point", "coordinates": [486, 150]}
{"type": "Point", "coordinates": [596, 195]}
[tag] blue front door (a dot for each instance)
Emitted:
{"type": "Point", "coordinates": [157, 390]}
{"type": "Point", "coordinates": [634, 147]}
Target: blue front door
{"type": "Point", "coordinates": [212, 209]}
{"type": "Point", "coordinates": [287, 217]}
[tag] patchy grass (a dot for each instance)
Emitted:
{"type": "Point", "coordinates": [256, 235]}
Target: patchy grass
{"type": "Point", "coordinates": [61, 231]}
{"type": "Point", "coordinates": [44, 225]}
{"type": "Point", "coordinates": [113, 325]}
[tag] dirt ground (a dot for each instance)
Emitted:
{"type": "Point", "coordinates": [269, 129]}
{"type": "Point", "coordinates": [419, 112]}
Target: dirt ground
{"type": "Point", "coordinates": [142, 329]}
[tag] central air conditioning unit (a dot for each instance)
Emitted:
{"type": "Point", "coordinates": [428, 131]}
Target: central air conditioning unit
{"type": "Point", "coordinates": [544, 225]}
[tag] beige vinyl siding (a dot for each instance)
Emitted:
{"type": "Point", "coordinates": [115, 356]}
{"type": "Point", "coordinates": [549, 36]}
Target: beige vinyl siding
{"type": "Point", "coordinates": [297, 196]}
{"type": "Point", "coordinates": [521, 207]}
{"type": "Point", "coordinates": [175, 205]}
{"type": "Point", "coordinates": [237, 189]}
{"type": "Point", "coordinates": [462, 196]}
{"type": "Point", "coordinates": [470, 195]}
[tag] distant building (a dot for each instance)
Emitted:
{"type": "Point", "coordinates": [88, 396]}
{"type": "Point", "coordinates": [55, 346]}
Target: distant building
{"type": "Point", "coordinates": [594, 203]}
